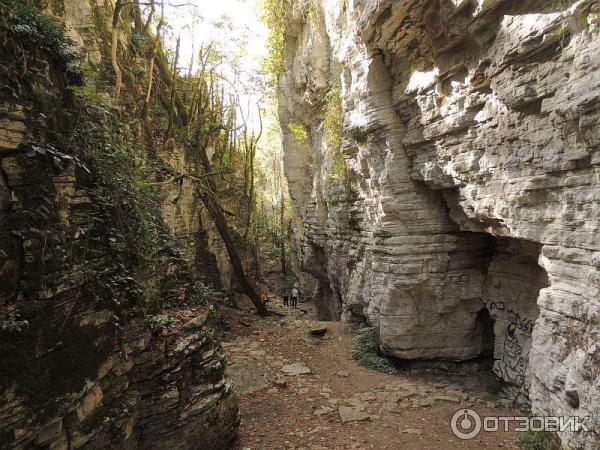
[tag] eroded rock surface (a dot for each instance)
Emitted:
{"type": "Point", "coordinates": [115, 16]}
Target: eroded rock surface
{"type": "Point", "coordinates": [84, 364]}
{"type": "Point", "coordinates": [467, 222]}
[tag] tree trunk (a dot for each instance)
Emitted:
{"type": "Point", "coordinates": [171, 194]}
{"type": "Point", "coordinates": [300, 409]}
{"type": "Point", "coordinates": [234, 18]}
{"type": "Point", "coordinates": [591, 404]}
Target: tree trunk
{"type": "Point", "coordinates": [162, 65]}
{"type": "Point", "coordinates": [216, 212]}
{"type": "Point", "coordinates": [155, 48]}
{"type": "Point", "coordinates": [137, 16]}
{"type": "Point", "coordinates": [173, 87]}
{"type": "Point", "coordinates": [250, 190]}
{"type": "Point", "coordinates": [115, 47]}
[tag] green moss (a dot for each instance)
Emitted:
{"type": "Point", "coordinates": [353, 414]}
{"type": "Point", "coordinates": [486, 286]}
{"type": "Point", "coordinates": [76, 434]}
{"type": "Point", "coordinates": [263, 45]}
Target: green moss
{"type": "Point", "coordinates": [333, 119]}
{"type": "Point", "coordinates": [299, 132]}
{"type": "Point", "coordinates": [339, 168]}
{"type": "Point", "coordinates": [88, 91]}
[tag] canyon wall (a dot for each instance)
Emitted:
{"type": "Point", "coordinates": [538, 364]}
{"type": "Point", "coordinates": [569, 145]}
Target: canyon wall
{"type": "Point", "coordinates": [101, 343]}
{"type": "Point", "coordinates": [466, 219]}
{"type": "Point", "coordinates": [87, 24]}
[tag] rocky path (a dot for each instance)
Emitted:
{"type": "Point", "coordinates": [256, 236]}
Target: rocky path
{"type": "Point", "coordinates": [303, 392]}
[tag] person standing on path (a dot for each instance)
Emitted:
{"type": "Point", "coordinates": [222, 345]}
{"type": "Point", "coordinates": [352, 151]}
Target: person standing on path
{"type": "Point", "coordinates": [295, 294]}
{"type": "Point", "coordinates": [286, 298]}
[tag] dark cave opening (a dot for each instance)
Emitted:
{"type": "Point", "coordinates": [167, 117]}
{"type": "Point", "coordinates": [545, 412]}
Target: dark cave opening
{"type": "Point", "coordinates": [484, 330]}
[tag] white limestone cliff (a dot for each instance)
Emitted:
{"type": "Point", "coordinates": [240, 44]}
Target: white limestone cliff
{"type": "Point", "coordinates": [468, 219]}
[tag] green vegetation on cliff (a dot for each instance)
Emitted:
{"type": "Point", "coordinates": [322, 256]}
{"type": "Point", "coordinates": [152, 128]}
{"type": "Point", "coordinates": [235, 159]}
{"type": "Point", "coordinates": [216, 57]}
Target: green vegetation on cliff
{"type": "Point", "coordinates": [274, 16]}
{"type": "Point", "coordinates": [37, 34]}
{"type": "Point", "coordinates": [333, 121]}
{"type": "Point", "coordinates": [84, 249]}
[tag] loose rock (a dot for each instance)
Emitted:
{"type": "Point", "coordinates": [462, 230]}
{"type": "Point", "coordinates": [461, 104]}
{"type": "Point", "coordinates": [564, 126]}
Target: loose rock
{"type": "Point", "coordinates": [296, 369]}
{"type": "Point", "coordinates": [350, 414]}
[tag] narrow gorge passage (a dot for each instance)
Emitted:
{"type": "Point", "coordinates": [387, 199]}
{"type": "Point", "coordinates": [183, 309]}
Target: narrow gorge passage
{"type": "Point", "coordinates": [299, 224]}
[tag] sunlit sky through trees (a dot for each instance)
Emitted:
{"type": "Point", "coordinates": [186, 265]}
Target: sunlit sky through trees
{"type": "Point", "coordinates": [235, 29]}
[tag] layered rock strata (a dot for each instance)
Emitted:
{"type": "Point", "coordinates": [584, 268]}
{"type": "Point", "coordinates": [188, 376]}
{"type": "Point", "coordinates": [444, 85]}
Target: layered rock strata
{"type": "Point", "coordinates": [84, 362]}
{"type": "Point", "coordinates": [81, 368]}
{"type": "Point", "coordinates": [468, 220]}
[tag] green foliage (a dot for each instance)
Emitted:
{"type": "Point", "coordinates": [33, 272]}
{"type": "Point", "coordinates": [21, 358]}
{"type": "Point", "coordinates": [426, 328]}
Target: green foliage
{"type": "Point", "coordinates": [205, 293]}
{"type": "Point", "coordinates": [532, 440]}
{"type": "Point", "coordinates": [333, 119]}
{"type": "Point", "coordinates": [366, 351]}
{"type": "Point", "coordinates": [333, 122]}
{"type": "Point", "coordinates": [88, 91]}
{"type": "Point", "coordinates": [125, 208]}
{"type": "Point", "coordinates": [299, 132]}
{"type": "Point", "coordinates": [356, 322]}
{"type": "Point", "coordinates": [288, 281]}
{"type": "Point", "coordinates": [273, 15]}
{"type": "Point", "coordinates": [273, 252]}
{"type": "Point", "coordinates": [124, 190]}
{"type": "Point", "coordinates": [37, 32]}
{"type": "Point", "coordinates": [160, 322]}
{"type": "Point", "coordinates": [339, 168]}
{"type": "Point", "coordinates": [139, 41]}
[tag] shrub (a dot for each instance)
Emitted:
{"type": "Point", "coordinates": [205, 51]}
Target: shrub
{"type": "Point", "coordinates": [204, 293]}
{"type": "Point", "coordinates": [36, 31]}
{"type": "Point", "coordinates": [366, 351]}
{"type": "Point", "coordinates": [161, 322]}
{"type": "Point", "coordinates": [532, 440]}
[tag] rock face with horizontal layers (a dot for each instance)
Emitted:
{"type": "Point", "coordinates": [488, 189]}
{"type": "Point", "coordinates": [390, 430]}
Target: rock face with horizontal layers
{"type": "Point", "coordinates": [80, 368]}
{"type": "Point", "coordinates": [467, 219]}
{"type": "Point", "coordinates": [83, 362]}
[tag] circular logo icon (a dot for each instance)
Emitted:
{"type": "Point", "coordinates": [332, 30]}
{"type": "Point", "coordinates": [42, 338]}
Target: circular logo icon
{"type": "Point", "coordinates": [465, 424]}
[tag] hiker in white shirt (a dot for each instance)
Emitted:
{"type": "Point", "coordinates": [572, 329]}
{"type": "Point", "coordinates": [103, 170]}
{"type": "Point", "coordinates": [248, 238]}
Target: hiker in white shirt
{"type": "Point", "coordinates": [295, 294]}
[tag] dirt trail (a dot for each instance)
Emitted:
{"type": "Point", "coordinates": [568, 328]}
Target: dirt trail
{"type": "Point", "coordinates": [305, 411]}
